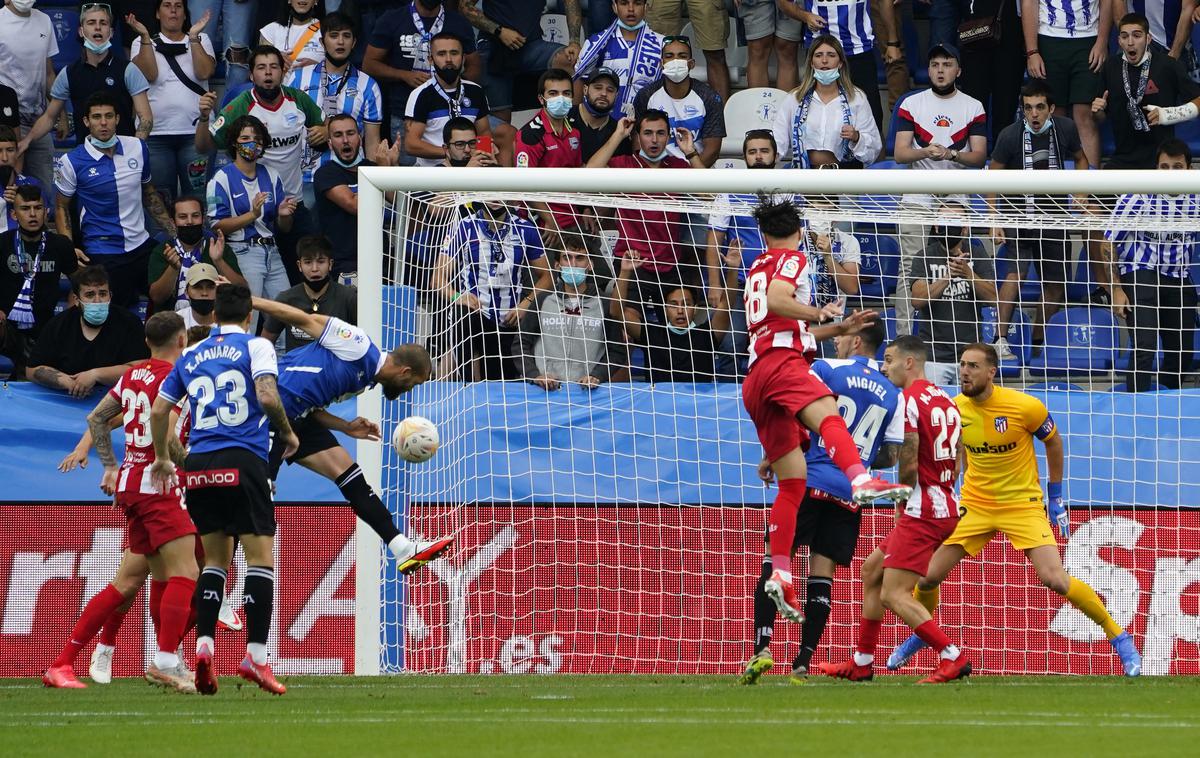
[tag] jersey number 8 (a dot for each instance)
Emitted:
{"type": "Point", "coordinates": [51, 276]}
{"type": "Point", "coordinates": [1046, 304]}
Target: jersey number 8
{"type": "Point", "coordinates": [233, 409]}
{"type": "Point", "coordinates": [756, 298]}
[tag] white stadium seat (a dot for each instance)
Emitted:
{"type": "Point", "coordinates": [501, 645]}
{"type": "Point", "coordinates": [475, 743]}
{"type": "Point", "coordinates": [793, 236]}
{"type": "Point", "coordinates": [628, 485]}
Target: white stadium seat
{"type": "Point", "coordinates": [554, 28]}
{"type": "Point", "coordinates": [748, 109]}
{"type": "Point", "coordinates": [729, 163]}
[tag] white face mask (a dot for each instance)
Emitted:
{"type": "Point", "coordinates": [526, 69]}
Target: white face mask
{"type": "Point", "coordinates": [22, 6]}
{"type": "Point", "coordinates": [676, 70]}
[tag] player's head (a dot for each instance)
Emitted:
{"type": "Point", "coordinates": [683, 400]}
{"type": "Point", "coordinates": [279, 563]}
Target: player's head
{"type": "Point", "coordinates": [405, 368]}
{"type": "Point", "coordinates": [314, 254]}
{"type": "Point", "coordinates": [166, 335]}
{"type": "Point", "coordinates": [865, 342]}
{"type": "Point", "coordinates": [233, 305]}
{"type": "Point", "coordinates": [904, 360]}
{"type": "Point", "coordinates": [759, 149]}
{"type": "Point", "coordinates": [779, 221]}
{"type": "Point", "coordinates": [198, 334]}
{"type": "Point", "coordinates": [977, 365]}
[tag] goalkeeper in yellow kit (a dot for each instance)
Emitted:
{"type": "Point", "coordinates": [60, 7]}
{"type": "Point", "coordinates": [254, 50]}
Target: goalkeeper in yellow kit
{"type": "Point", "coordinates": [1002, 493]}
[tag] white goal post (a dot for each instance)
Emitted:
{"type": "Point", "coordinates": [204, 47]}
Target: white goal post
{"type": "Point", "coordinates": [853, 197]}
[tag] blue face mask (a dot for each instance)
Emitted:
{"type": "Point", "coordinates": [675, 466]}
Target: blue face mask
{"type": "Point", "coordinates": [681, 329]}
{"type": "Point", "coordinates": [661, 155]}
{"type": "Point", "coordinates": [1045, 126]}
{"type": "Point", "coordinates": [629, 28]}
{"type": "Point", "coordinates": [559, 106]}
{"type": "Point", "coordinates": [357, 160]}
{"type": "Point", "coordinates": [103, 144]}
{"type": "Point", "coordinates": [573, 275]}
{"type": "Point", "coordinates": [97, 49]}
{"type": "Point", "coordinates": [95, 313]}
{"type": "Point", "coordinates": [827, 76]}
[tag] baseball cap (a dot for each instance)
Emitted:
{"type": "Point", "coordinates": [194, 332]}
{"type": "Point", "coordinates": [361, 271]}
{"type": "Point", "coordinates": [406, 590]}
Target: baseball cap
{"type": "Point", "coordinates": [201, 272]}
{"type": "Point", "coordinates": [603, 71]}
{"type": "Point", "coordinates": [946, 49]}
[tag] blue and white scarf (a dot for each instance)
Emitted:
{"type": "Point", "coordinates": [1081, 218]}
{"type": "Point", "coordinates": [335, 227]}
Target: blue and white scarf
{"type": "Point", "coordinates": [645, 58]}
{"type": "Point", "coordinates": [21, 313]}
{"type": "Point", "coordinates": [421, 51]}
{"type": "Point", "coordinates": [799, 152]}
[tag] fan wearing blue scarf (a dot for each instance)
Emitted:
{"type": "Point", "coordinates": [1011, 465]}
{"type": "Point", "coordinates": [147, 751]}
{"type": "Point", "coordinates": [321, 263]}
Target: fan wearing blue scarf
{"type": "Point", "coordinates": [629, 48]}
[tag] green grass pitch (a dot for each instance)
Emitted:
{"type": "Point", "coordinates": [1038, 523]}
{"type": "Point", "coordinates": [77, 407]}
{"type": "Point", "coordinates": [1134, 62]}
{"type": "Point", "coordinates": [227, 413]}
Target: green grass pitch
{"type": "Point", "coordinates": [609, 716]}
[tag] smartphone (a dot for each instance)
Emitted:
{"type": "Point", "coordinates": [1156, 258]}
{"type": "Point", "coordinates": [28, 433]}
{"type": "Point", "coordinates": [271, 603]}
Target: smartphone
{"type": "Point", "coordinates": [6, 175]}
{"type": "Point", "coordinates": [484, 145]}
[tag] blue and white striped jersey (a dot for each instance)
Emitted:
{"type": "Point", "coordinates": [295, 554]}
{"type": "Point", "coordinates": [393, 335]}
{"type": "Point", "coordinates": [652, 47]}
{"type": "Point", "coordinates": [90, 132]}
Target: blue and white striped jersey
{"type": "Point", "coordinates": [342, 363]}
{"type": "Point", "coordinates": [848, 20]}
{"type": "Point", "coordinates": [1069, 18]}
{"type": "Point", "coordinates": [352, 92]}
{"type": "Point", "coordinates": [217, 375]}
{"type": "Point", "coordinates": [491, 261]}
{"type": "Point", "coordinates": [109, 194]}
{"type": "Point", "coordinates": [1164, 248]}
{"type": "Point", "coordinates": [873, 410]}
{"type": "Point", "coordinates": [700, 111]}
{"type": "Point", "coordinates": [230, 194]}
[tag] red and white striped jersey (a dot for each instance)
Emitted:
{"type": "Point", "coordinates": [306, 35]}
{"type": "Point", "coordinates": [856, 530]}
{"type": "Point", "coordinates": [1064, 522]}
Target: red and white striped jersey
{"type": "Point", "coordinates": [769, 331]}
{"type": "Point", "coordinates": [932, 415]}
{"type": "Point", "coordinates": [136, 391]}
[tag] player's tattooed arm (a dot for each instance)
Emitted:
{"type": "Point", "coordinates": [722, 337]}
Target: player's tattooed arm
{"type": "Point", "coordinates": [887, 456]}
{"type": "Point", "coordinates": [268, 397]}
{"type": "Point", "coordinates": [908, 459]}
{"type": "Point", "coordinates": [154, 206]}
{"type": "Point", "coordinates": [99, 423]}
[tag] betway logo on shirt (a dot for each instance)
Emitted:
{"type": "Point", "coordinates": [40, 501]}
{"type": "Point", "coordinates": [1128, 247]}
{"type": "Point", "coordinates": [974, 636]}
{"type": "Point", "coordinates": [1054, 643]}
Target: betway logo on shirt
{"type": "Point", "coordinates": [284, 141]}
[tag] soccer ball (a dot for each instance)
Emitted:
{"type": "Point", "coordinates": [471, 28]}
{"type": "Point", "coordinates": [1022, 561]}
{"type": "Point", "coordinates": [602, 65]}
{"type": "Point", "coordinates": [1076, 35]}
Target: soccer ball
{"type": "Point", "coordinates": [415, 439]}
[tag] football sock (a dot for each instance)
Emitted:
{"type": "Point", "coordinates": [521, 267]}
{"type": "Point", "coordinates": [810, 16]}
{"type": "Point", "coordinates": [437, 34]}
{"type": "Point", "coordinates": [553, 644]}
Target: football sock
{"type": "Point", "coordinates": [868, 638]}
{"type": "Point", "coordinates": [112, 624]}
{"type": "Point", "coordinates": [781, 523]}
{"type": "Point", "coordinates": [176, 608]}
{"type": "Point", "coordinates": [932, 635]}
{"type": "Point", "coordinates": [1086, 600]}
{"type": "Point", "coordinates": [210, 588]}
{"type": "Point", "coordinates": [928, 598]}
{"type": "Point", "coordinates": [366, 504]}
{"type": "Point", "coordinates": [93, 616]}
{"type": "Point", "coordinates": [259, 596]}
{"type": "Point", "coordinates": [157, 587]}
{"type": "Point", "coordinates": [840, 446]}
{"type": "Point", "coordinates": [816, 613]}
{"type": "Point", "coordinates": [764, 611]}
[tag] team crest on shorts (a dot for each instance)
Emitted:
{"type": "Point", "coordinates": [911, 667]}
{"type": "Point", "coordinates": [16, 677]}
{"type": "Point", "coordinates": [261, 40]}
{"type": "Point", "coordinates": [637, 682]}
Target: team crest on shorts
{"type": "Point", "coordinates": [1001, 423]}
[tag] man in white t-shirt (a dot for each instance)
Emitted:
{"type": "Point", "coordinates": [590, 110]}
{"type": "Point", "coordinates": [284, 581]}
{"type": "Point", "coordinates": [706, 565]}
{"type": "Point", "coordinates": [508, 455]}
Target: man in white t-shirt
{"type": "Point", "coordinates": [27, 44]}
{"type": "Point", "coordinates": [939, 128]}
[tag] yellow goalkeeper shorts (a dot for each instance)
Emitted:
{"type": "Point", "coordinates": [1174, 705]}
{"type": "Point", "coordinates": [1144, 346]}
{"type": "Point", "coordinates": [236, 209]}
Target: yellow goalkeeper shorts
{"type": "Point", "coordinates": [1025, 528]}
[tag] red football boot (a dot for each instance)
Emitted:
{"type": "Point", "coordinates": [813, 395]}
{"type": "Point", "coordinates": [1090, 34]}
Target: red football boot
{"type": "Point", "coordinates": [260, 675]}
{"type": "Point", "coordinates": [877, 489]}
{"type": "Point", "coordinates": [206, 677]}
{"type": "Point", "coordinates": [846, 670]}
{"type": "Point", "coordinates": [783, 593]}
{"type": "Point", "coordinates": [948, 670]}
{"type": "Point", "coordinates": [62, 677]}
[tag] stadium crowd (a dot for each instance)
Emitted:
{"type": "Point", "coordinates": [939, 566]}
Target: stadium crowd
{"type": "Point", "coordinates": [186, 144]}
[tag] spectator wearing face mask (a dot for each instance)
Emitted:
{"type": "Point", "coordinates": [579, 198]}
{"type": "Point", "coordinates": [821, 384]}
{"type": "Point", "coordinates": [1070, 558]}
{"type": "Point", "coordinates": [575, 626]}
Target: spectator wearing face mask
{"type": "Point", "coordinates": [318, 293]}
{"type": "Point", "coordinates": [200, 294]}
{"type": "Point", "coordinates": [566, 337]}
{"type": "Point", "coordinates": [690, 104]}
{"type": "Point", "coordinates": [90, 343]}
{"type": "Point", "coordinates": [593, 113]}
{"type": "Point", "coordinates": [950, 288]}
{"type": "Point", "coordinates": [32, 259]}
{"type": "Point", "coordinates": [551, 140]}
{"type": "Point", "coordinates": [444, 96]}
{"type": "Point", "coordinates": [171, 261]}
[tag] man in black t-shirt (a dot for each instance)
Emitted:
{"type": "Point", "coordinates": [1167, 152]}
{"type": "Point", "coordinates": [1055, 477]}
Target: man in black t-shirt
{"type": "Point", "coordinates": [91, 343]}
{"type": "Point", "coordinates": [30, 253]}
{"type": "Point", "coordinates": [1145, 77]}
{"type": "Point", "coordinates": [318, 293]}
{"type": "Point", "coordinates": [950, 287]}
{"type": "Point", "coordinates": [593, 117]}
{"type": "Point", "coordinates": [1038, 142]}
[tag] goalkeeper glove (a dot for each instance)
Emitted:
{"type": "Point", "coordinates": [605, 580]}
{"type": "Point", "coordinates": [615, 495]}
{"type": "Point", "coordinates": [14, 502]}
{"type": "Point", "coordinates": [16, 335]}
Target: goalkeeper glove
{"type": "Point", "coordinates": [1056, 509]}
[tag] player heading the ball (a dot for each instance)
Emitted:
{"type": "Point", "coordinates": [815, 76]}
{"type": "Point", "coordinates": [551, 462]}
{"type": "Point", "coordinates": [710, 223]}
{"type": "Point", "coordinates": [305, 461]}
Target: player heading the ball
{"type": "Point", "coordinates": [783, 396]}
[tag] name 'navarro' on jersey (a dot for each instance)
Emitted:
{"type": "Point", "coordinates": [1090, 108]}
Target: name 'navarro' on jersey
{"type": "Point", "coordinates": [873, 410]}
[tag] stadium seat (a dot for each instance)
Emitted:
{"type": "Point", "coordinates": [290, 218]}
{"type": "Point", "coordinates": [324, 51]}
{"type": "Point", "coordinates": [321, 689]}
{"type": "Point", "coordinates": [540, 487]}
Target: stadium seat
{"type": "Point", "coordinates": [520, 118]}
{"type": "Point", "coordinates": [1124, 387]}
{"type": "Point", "coordinates": [889, 142]}
{"type": "Point", "coordinates": [1079, 341]}
{"type": "Point", "coordinates": [879, 267]}
{"type": "Point", "coordinates": [729, 163]}
{"type": "Point", "coordinates": [1057, 386]}
{"type": "Point", "coordinates": [554, 28]}
{"type": "Point", "coordinates": [1020, 339]}
{"type": "Point", "coordinates": [1080, 286]}
{"type": "Point", "coordinates": [748, 109]}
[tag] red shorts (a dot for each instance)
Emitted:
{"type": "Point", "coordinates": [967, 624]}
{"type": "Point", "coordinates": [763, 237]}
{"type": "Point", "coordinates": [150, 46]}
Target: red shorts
{"type": "Point", "coordinates": [154, 520]}
{"type": "Point", "coordinates": [780, 385]}
{"type": "Point", "coordinates": [912, 542]}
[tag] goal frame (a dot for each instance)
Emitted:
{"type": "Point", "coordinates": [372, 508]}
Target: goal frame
{"type": "Point", "coordinates": [375, 181]}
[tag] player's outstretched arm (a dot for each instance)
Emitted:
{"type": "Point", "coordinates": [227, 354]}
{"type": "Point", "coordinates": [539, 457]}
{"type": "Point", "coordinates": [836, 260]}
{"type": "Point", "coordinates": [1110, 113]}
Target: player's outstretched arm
{"type": "Point", "coordinates": [79, 456]}
{"type": "Point", "coordinates": [781, 300]}
{"type": "Point", "coordinates": [312, 324]}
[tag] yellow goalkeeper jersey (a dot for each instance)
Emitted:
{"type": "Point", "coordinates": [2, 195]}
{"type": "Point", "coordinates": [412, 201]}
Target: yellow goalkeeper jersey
{"type": "Point", "coordinates": [1002, 469]}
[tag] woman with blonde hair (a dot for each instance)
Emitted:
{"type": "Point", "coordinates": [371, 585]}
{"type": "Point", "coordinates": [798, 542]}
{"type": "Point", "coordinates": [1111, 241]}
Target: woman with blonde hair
{"type": "Point", "coordinates": [827, 120]}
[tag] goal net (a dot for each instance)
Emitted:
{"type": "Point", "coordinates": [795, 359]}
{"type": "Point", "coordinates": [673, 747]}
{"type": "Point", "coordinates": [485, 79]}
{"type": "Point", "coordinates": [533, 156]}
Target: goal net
{"type": "Point", "coordinates": [598, 469]}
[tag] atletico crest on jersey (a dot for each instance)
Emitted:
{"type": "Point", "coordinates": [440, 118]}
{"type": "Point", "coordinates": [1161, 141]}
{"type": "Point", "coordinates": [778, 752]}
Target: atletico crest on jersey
{"type": "Point", "coordinates": [1001, 423]}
